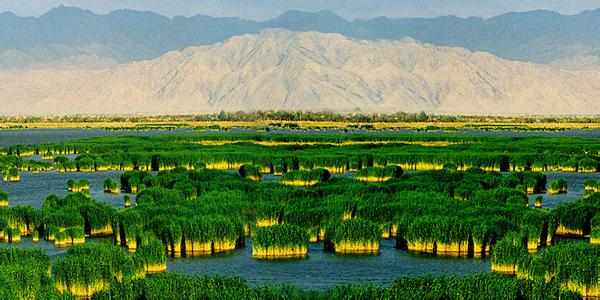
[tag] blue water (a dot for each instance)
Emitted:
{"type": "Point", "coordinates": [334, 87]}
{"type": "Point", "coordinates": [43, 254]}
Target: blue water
{"type": "Point", "coordinates": [325, 270]}
{"type": "Point", "coordinates": [34, 188]}
{"type": "Point", "coordinates": [575, 188]}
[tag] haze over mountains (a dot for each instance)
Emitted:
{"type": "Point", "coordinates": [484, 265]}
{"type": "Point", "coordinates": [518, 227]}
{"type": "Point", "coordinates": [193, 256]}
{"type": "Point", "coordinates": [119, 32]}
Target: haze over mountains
{"type": "Point", "coordinates": [67, 35]}
{"type": "Point", "coordinates": [283, 70]}
{"type": "Point", "coordinates": [72, 61]}
{"type": "Point", "coordinates": [267, 9]}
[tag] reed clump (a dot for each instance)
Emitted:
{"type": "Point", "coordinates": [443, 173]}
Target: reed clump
{"type": "Point", "coordinates": [356, 236]}
{"type": "Point", "coordinates": [111, 186]}
{"type": "Point", "coordinates": [280, 242]}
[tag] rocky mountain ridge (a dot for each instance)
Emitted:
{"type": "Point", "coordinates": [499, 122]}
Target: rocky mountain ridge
{"type": "Point", "coordinates": [283, 70]}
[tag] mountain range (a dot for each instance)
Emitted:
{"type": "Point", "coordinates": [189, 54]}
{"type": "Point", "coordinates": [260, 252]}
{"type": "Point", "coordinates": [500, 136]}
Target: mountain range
{"type": "Point", "coordinates": [68, 35]}
{"type": "Point", "coordinates": [283, 70]}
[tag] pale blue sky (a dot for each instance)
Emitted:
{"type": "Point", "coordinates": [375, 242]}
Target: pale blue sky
{"type": "Point", "coordinates": [263, 9]}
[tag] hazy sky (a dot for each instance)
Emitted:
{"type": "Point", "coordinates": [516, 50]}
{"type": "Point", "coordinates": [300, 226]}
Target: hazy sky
{"type": "Point", "coordinates": [262, 9]}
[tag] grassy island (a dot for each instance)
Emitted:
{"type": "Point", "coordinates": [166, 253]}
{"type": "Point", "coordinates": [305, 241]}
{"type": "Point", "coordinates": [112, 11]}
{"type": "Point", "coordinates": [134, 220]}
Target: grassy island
{"type": "Point", "coordinates": [111, 186]}
{"type": "Point", "coordinates": [280, 242]}
{"type": "Point", "coordinates": [356, 236]}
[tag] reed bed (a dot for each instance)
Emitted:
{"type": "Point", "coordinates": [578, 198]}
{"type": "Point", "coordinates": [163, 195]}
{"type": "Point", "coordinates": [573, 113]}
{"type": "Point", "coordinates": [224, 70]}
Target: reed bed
{"type": "Point", "coordinates": [3, 199]}
{"type": "Point", "coordinates": [250, 172]}
{"type": "Point", "coordinates": [88, 270]}
{"type": "Point", "coordinates": [11, 175]}
{"type": "Point", "coordinates": [507, 253]}
{"type": "Point", "coordinates": [305, 178]}
{"type": "Point", "coordinates": [356, 236]}
{"type": "Point", "coordinates": [573, 265]}
{"type": "Point", "coordinates": [81, 186]}
{"type": "Point", "coordinates": [558, 186]}
{"type": "Point", "coordinates": [111, 186]}
{"type": "Point", "coordinates": [378, 175]}
{"type": "Point", "coordinates": [280, 242]}
{"type": "Point", "coordinates": [190, 202]}
{"type": "Point", "coordinates": [591, 186]}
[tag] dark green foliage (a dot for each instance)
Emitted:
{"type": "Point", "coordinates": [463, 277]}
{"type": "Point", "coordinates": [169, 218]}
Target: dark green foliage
{"type": "Point", "coordinates": [81, 186]}
{"type": "Point", "coordinates": [566, 262]}
{"type": "Point", "coordinates": [175, 286]}
{"type": "Point", "coordinates": [472, 287]}
{"type": "Point", "coordinates": [185, 200]}
{"type": "Point", "coordinates": [280, 236]}
{"type": "Point", "coordinates": [24, 274]}
{"type": "Point", "coordinates": [316, 175]}
{"type": "Point", "coordinates": [578, 215]}
{"type": "Point", "coordinates": [88, 264]}
{"type": "Point", "coordinates": [535, 183]}
{"type": "Point", "coordinates": [132, 181]}
{"type": "Point", "coordinates": [355, 230]}
{"type": "Point", "coordinates": [439, 229]}
{"type": "Point", "coordinates": [249, 171]}
{"type": "Point", "coordinates": [509, 250]}
{"type": "Point", "coordinates": [558, 186]}
{"type": "Point", "coordinates": [3, 195]}
{"type": "Point", "coordinates": [389, 172]}
{"type": "Point", "coordinates": [151, 251]}
{"type": "Point", "coordinates": [110, 185]}
{"type": "Point", "coordinates": [92, 262]}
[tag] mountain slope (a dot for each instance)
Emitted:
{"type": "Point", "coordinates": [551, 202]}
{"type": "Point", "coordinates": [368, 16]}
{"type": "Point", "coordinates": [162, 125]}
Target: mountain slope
{"type": "Point", "coordinates": [306, 71]}
{"type": "Point", "coordinates": [71, 35]}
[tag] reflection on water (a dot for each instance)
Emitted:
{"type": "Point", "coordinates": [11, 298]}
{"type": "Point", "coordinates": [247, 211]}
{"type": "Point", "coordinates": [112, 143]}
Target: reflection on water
{"type": "Point", "coordinates": [320, 270]}
{"type": "Point", "coordinates": [324, 270]}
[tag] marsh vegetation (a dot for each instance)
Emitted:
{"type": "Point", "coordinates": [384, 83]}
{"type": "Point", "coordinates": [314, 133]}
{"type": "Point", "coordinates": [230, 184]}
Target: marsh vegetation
{"type": "Point", "coordinates": [289, 194]}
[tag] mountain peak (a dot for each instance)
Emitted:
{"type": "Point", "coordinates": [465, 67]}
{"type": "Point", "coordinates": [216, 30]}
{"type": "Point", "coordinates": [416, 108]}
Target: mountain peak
{"type": "Point", "coordinates": [302, 21]}
{"type": "Point", "coordinates": [529, 16]}
{"type": "Point", "coordinates": [8, 14]}
{"type": "Point", "coordinates": [65, 34]}
{"type": "Point", "coordinates": [299, 14]}
{"type": "Point", "coordinates": [590, 13]}
{"type": "Point", "coordinates": [62, 11]}
{"type": "Point", "coordinates": [282, 33]}
{"type": "Point", "coordinates": [307, 71]}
